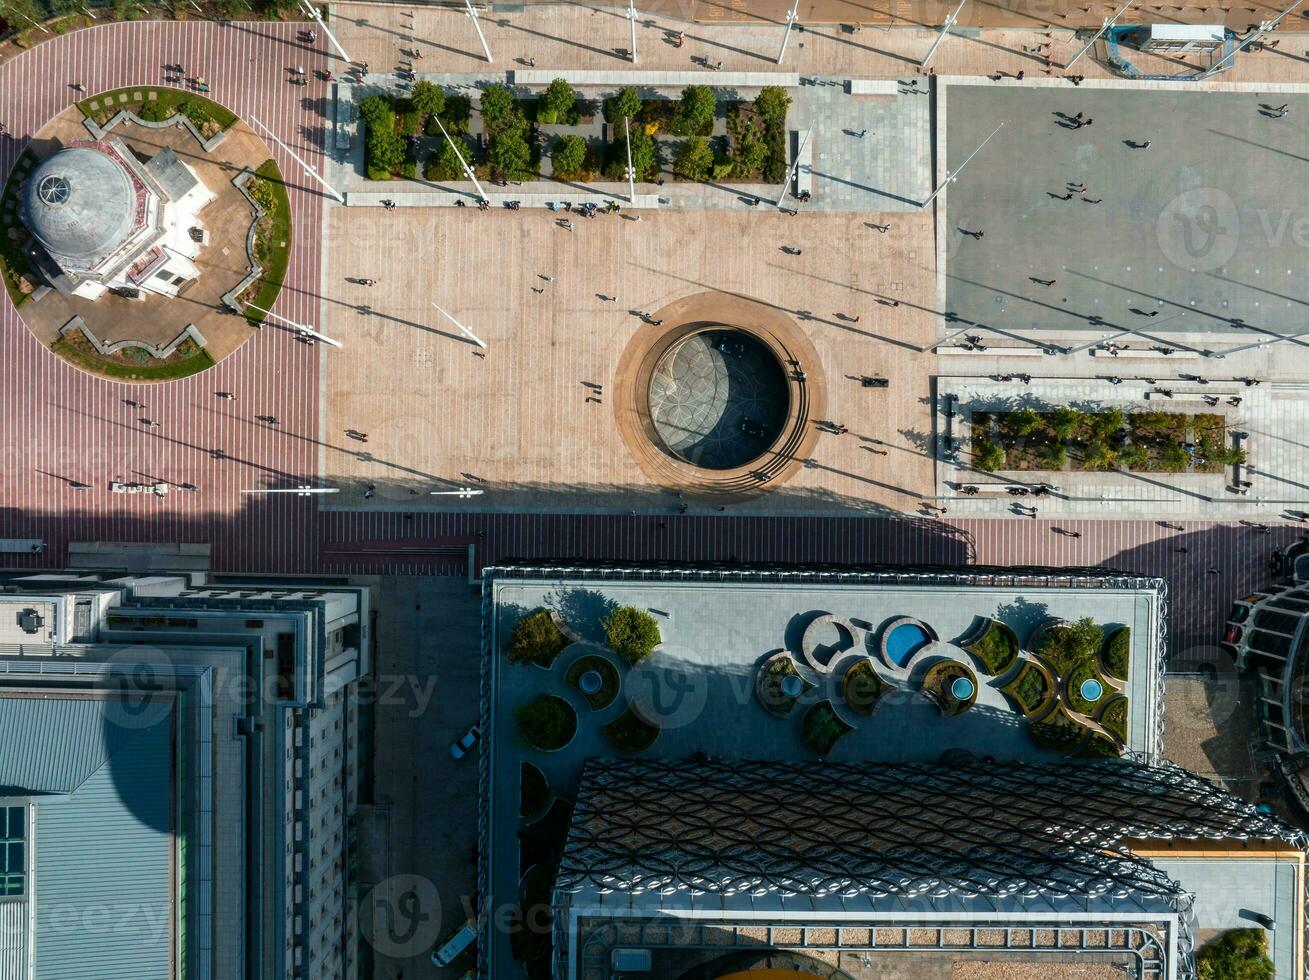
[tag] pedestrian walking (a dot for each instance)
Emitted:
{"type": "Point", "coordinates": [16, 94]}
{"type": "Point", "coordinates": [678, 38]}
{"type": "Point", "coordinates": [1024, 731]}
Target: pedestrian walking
{"type": "Point", "coordinates": [538, 289]}
{"type": "Point", "coordinates": [1096, 201]}
{"type": "Point", "coordinates": [150, 423]}
{"type": "Point", "coordinates": [368, 282]}
{"type": "Point", "coordinates": [1063, 197]}
{"type": "Point", "coordinates": [863, 133]}
{"type": "Point", "coordinates": [531, 62]}
{"type": "Point", "coordinates": [1074, 534]}
{"type": "Point", "coordinates": [1214, 571]}
{"type": "Point", "coordinates": [1181, 551]}
{"type": "Point", "coordinates": [541, 275]}
{"type": "Point", "coordinates": [1043, 282]}
{"type": "Point", "coordinates": [226, 396]}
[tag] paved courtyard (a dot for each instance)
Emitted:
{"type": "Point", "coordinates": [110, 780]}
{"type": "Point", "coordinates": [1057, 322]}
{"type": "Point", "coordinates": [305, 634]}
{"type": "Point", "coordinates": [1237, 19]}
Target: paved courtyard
{"type": "Point", "coordinates": [524, 421]}
{"type": "Point", "coordinates": [1198, 233]}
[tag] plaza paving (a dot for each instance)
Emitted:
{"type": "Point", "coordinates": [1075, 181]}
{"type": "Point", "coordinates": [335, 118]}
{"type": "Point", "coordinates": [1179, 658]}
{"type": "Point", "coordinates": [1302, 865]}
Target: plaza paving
{"type": "Point", "coordinates": [522, 420]}
{"type": "Point", "coordinates": [1199, 233]}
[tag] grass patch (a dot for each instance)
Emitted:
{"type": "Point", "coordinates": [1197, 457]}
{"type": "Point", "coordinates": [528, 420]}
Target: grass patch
{"type": "Point", "coordinates": [861, 687]}
{"type": "Point", "coordinates": [1113, 718]}
{"type": "Point", "coordinates": [168, 102]}
{"type": "Point", "coordinates": [608, 680]}
{"type": "Point", "coordinates": [186, 361]}
{"type": "Point", "coordinates": [1083, 672]}
{"type": "Point", "coordinates": [629, 732]}
{"type": "Point", "coordinates": [13, 263]}
{"type": "Point", "coordinates": [996, 649]}
{"type": "Point", "coordinates": [1058, 733]}
{"type": "Point", "coordinates": [1117, 650]}
{"type": "Point", "coordinates": [272, 237]}
{"type": "Point", "coordinates": [822, 728]}
{"type": "Point", "coordinates": [1029, 689]}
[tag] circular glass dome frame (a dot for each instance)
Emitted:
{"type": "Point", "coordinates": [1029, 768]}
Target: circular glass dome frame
{"type": "Point", "coordinates": [718, 399]}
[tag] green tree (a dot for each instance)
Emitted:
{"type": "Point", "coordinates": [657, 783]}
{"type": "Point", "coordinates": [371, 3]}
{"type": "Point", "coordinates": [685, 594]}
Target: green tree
{"type": "Point", "coordinates": [1064, 421]}
{"type": "Point", "coordinates": [645, 160]}
{"type": "Point", "coordinates": [444, 164]}
{"type": "Point", "coordinates": [987, 455]}
{"type": "Point", "coordinates": [772, 102]}
{"type": "Point", "coordinates": [510, 155]}
{"type": "Point", "coordinates": [1133, 456]}
{"type": "Point", "coordinates": [569, 156]}
{"type": "Point", "coordinates": [696, 110]}
{"type": "Point", "coordinates": [626, 103]}
{"type": "Point", "coordinates": [428, 99]}
{"type": "Point", "coordinates": [632, 632]}
{"type": "Point", "coordinates": [557, 101]}
{"type": "Point", "coordinates": [695, 159]}
{"type": "Point", "coordinates": [536, 639]}
{"type": "Point", "coordinates": [497, 104]}
{"type": "Point", "coordinates": [1173, 457]}
{"type": "Point", "coordinates": [1108, 423]}
{"type": "Point", "coordinates": [377, 112]}
{"type": "Point", "coordinates": [1052, 457]}
{"type": "Point", "coordinates": [386, 153]}
{"type": "Point", "coordinates": [1022, 422]}
{"type": "Point", "coordinates": [1098, 456]}
{"type": "Point", "coordinates": [1238, 954]}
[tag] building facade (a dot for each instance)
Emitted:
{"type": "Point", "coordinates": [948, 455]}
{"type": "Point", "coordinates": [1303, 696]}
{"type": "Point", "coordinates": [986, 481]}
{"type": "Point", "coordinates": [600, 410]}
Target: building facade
{"type": "Point", "coordinates": [180, 768]}
{"type": "Point", "coordinates": [1114, 860]}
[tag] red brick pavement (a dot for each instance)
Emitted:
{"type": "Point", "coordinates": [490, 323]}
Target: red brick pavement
{"type": "Point", "coordinates": [63, 425]}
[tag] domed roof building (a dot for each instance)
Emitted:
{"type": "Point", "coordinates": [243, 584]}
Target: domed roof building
{"type": "Point", "coordinates": [107, 221]}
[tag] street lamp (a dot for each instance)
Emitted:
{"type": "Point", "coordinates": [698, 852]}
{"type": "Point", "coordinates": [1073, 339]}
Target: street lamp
{"type": "Point", "coordinates": [468, 171]}
{"type": "Point", "coordinates": [304, 490]}
{"type": "Point", "coordinates": [795, 167]}
{"type": "Point", "coordinates": [462, 329]}
{"type": "Point", "coordinates": [631, 171]}
{"type": "Point", "coordinates": [951, 176]}
{"type": "Point", "coordinates": [1108, 23]}
{"type": "Point", "coordinates": [945, 29]}
{"type": "Point", "coordinates": [631, 16]}
{"type": "Point", "coordinates": [791, 16]}
{"type": "Point", "coordinates": [312, 11]}
{"type": "Point", "coordinates": [304, 331]}
{"type": "Point", "coordinates": [478, 27]}
{"type": "Point", "coordinates": [310, 171]}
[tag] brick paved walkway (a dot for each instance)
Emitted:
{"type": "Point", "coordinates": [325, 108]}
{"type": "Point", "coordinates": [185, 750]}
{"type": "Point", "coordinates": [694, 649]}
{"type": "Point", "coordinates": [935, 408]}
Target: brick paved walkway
{"type": "Point", "coordinates": [62, 425]}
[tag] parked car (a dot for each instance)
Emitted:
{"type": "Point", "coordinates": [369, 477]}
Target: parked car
{"type": "Point", "coordinates": [460, 746]}
{"type": "Point", "coordinates": [463, 937]}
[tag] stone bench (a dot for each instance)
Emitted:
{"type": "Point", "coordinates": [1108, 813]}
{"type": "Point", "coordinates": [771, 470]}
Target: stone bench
{"type": "Point", "coordinates": [1131, 352]}
{"type": "Point", "coordinates": [593, 78]}
{"type": "Point", "coordinates": [873, 86]}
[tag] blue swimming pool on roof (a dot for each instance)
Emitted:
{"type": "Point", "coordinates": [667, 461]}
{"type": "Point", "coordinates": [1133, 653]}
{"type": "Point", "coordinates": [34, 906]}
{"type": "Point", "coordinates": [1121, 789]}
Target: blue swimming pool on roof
{"type": "Point", "coordinates": [904, 641]}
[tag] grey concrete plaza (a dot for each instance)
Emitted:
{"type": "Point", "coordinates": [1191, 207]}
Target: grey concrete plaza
{"type": "Point", "coordinates": [1198, 232]}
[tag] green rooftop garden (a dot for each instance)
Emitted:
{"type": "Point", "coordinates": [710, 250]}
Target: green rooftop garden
{"type": "Point", "coordinates": [996, 649]}
{"type": "Point", "coordinates": [1066, 438]}
{"type": "Point", "coordinates": [546, 723]}
{"type": "Point", "coordinates": [632, 632]}
{"type": "Point", "coordinates": [822, 728]}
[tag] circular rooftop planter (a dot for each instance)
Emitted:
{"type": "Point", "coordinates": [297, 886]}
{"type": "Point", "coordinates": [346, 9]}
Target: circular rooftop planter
{"type": "Point", "coordinates": [1113, 716]}
{"type": "Point", "coordinates": [775, 685]}
{"type": "Point", "coordinates": [902, 639]}
{"type": "Point", "coordinates": [595, 678]}
{"type": "Point", "coordinates": [993, 645]}
{"type": "Point", "coordinates": [821, 728]}
{"type": "Point", "coordinates": [1059, 732]}
{"type": "Point", "coordinates": [1031, 689]}
{"type": "Point", "coordinates": [629, 732]}
{"type": "Point", "coordinates": [951, 685]}
{"type": "Point", "coordinates": [1115, 656]}
{"type": "Point", "coordinates": [548, 723]}
{"type": "Point", "coordinates": [818, 655]}
{"type": "Point", "coordinates": [861, 687]}
{"type": "Point", "coordinates": [538, 639]}
{"type": "Point", "coordinates": [1084, 688]}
